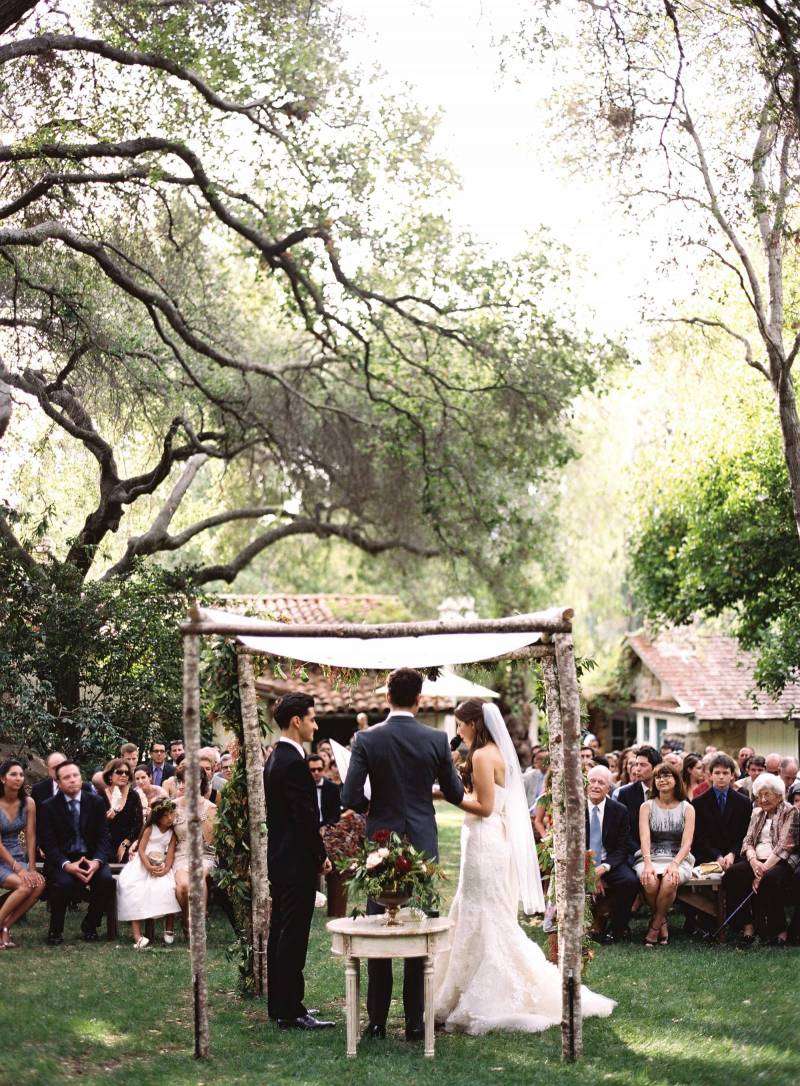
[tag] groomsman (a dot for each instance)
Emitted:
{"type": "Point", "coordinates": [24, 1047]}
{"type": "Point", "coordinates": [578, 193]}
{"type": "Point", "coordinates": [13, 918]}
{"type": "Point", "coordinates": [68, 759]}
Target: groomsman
{"type": "Point", "coordinates": [295, 858]}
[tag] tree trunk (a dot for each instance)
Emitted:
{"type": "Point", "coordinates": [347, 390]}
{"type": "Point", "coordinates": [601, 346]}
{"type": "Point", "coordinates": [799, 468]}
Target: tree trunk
{"type": "Point", "coordinates": [790, 429]}
{"type": "Point", "coordinates": [571, 921]}
{"type": "Point", "coordinates": [197, 878]}
{"type": "Point", "coordinates": [11, 11]}
{"type": "Point", "coordinates": [257, 819]}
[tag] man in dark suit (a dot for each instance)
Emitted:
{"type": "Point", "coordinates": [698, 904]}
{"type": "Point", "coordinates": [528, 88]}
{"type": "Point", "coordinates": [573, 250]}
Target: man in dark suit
{"type": "Point", "coordinates": [403, 759]}
{"type": "Point", "coordinates": [328, 793]}
{"type": "Point", "coordinates": [295, 858]}
{"type": "Point", "coordinates": [722, 816]}
{"type": "Point", "coordinates": [73, 834]}
{"type": "Point", "coordinates": [159, 768]}
{"type": "Point", "coordinates": [632, 796]}
{"type": "Point", "coordinates": [608, 835]}
{"type": "Point", "coordinates": [46, 789]}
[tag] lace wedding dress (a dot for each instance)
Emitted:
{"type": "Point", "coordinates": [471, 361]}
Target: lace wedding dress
{"type": "Point", "coordinates": [494, 976]}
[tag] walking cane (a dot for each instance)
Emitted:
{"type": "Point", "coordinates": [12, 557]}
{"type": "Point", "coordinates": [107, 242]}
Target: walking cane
{"type": "Point", "coordinates": [712, 935]}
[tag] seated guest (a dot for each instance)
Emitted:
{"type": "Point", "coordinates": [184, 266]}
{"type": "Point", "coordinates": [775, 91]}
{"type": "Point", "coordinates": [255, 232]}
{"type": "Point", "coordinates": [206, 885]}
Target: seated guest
{"type": "Point", "coordinates": [741, 761]}
{"type": "Point", "coordinates": [613, 764]}
{"type": "Point", "coordinates": [129, 753]}
{"type": "Point", "coordinates": [123, 808]}
{"type": "Point", "coordinates": [722, 816]}
{"type": "Point", "coordinates": [223, 774]}
{"type": "Point", "coordinates": [632, 796]}
{"type": "Point", "coordinates": [160, 769]}
{"type": "Point", "coordinates": [46, 789]}
{"type": "Point", "coordinates": [675, 759]}
{"type": "Point", "coordinates": [209, 760]}
{"type": "Point", "coordinates": [18, 872]}
{"type": "Point", "coordinates": [608, 836]}
{"type": "Point", "coordinates": [146, 886]}
{"type": "Point", "coordinates": [148, 792]}
{"type": "Point", "coordinates": [533, 777]}
{"type": "Point", "coordinates": [756, 765]}
{"type": "Point", "coordinates": [770, 857]}
{"type": "Point", "coordinates": [664, 860]}
{"type": "Point", "coordinates": [694, 776]}
{"type": "Point", "coordinates": [328, 802]}
{"type": "Point", "coordinates": [793, 795]}
{"type": "Point", "coordinates": [587, 758]}
{"type": "Point", "coordinates": [170, 785]}
{"type": "Point", "coordinates": [788, 772]}
{"type": "Point", "coordinates": [542, 813]}
{"type": "Point", "coordinates": [175, 750]}
{"type": "Point", "coordinates": [73, 834]}
{"type": "Point", "coordinates": [208, 813]}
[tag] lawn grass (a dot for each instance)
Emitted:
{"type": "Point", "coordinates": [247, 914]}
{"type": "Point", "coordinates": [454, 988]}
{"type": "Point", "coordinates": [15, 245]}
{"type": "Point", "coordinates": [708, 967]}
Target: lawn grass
{"type": "Point", "coordinates": [104, 1013]}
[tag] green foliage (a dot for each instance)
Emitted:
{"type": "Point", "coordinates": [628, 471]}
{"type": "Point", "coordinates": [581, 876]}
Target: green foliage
{"type": "Point", "coordinates": [387, 863]}
{"type": "Point", "coordinates": [87, 666]}
{"type": "Point", "coordinates": [232, 826]}
{"type": "Point", "coordinates": [721, 540]}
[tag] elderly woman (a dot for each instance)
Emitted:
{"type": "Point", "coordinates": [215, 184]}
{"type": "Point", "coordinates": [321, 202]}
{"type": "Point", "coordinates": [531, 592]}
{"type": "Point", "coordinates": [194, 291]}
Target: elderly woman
{"type": "Point", "coordinates": [770, 851]}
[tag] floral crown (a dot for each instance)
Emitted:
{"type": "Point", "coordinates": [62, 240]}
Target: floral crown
{"type": "Point", "coordinates": [161, 807]}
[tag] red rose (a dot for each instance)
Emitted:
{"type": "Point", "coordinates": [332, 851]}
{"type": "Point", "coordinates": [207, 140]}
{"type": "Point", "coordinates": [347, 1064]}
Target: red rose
{"type": "Point", "coordinates": [402, 864]}
{"type": "Point", "coordinates": [380, 837]}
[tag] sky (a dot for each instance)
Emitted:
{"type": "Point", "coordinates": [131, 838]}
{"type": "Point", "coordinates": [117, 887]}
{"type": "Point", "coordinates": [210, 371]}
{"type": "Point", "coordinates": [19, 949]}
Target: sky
{"type": "Point", "coordinates": [495, 130]}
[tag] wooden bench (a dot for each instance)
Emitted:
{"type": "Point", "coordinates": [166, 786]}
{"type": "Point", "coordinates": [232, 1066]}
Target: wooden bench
{"type": "Point", "coordinates": [111, 911]}
{"type": "Point", "coordinates": [707, 896]}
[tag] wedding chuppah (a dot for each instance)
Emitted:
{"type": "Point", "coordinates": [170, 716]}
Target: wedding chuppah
{"type": "Point", "coordinates": [427, 645]}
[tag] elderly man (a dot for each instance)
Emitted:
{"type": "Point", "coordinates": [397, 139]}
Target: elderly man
{"type": "Point", "coordinates": [608, 836]}
{"type": "Point", "coordinates": [741, 760]}
{"type": "Point", "coordinates": [773, 763]}
{"type": "Point", "coordinates": [788, 772]}
{"type": "Point", "coordinates": [769, 858]}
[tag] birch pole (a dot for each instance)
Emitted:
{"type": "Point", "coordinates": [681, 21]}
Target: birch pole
{"type": "Point", "coordinates": [571, 920]}
{"type": "Point", "coordinates": [257, 819]}
{"type": "Point", "coordinates": [197, 878]}
{"type": "Point", "coordinates": [556, 744]}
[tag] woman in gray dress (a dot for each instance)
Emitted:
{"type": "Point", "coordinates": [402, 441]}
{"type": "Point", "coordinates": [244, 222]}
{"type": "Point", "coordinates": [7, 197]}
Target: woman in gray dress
{"type": "Point", "coordinates": [666, 828]}
{"type": "Point", "coordinates": [17, 872]}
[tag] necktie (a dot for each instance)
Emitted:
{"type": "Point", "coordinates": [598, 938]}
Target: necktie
{"type": "Point", "coordinates": [721, 797]}
{"type": "Point", "coordinates": [75, 815]}
{"type": "Point", "coordinates": [596, 836]}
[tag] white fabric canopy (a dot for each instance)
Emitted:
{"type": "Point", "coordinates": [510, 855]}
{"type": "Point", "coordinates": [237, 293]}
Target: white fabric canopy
{"type": "Point", "coordinates": [383, 654]}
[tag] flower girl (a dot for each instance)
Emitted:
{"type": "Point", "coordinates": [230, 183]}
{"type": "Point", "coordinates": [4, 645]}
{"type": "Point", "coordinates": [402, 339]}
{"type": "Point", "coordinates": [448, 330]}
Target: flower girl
{"type": "Point", "coordinates": [146, 885]}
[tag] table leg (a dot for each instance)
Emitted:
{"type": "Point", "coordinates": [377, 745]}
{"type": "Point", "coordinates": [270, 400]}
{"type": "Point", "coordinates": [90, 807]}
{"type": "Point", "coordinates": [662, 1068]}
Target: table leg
{"type": "Point", "coordinates": [357, 964]}
{"type": "Point", "coordinates": [429, 1006]}
{"type": "Point", "coordinates": [351, 977]}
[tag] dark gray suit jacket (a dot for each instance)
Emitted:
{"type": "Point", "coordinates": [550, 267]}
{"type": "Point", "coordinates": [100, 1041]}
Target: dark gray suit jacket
{"type": "Point", "coordinates": [402, 758]}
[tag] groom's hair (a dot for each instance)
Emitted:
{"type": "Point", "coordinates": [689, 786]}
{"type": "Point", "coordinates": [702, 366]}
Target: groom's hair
{"type": "Point", "coordinates": [290, 706]}
{"type": "Point", "coordinates": [404, 686]}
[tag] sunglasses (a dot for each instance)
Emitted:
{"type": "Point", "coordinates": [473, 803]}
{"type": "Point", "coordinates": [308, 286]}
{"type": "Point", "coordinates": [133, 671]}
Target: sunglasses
{"type": "Point", "coordinates": [121, 773]}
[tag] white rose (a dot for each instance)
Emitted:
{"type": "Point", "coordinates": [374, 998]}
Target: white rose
{"type": "Point", "coordinates": [383, 853]}
{"type": "Point", "coordinates": [424, 869]}
{"type": "Point", "coordinates": [374, 860]}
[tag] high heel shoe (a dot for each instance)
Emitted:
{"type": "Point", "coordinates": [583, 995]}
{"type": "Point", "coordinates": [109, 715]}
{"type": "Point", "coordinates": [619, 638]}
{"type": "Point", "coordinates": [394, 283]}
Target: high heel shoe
{"type": "Point", "coordinates": [663, 935]}
{"type": "Point", "coordinates": [651, 942]}
{"type": "Point", "coordinates": [6, 940]}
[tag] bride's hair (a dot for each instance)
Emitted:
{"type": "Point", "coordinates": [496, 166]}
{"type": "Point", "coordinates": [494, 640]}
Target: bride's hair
{"type": "Point", "coordinates": [471, 712]}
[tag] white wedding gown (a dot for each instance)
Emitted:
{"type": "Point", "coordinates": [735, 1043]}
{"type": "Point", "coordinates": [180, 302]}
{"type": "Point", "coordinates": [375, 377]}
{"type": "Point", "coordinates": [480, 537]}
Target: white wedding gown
{"type": "Point", "coordinates": [494, 976]}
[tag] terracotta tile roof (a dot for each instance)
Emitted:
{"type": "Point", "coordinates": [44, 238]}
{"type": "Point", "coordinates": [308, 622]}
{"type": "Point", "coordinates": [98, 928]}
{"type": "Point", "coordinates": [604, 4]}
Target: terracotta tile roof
{"type": "Point", "coordinates": [331, 697]}
{"type": "Point", "coordinates": [313, 609]}
{"type": "Point", "coordinates": [709, 676]}
{"type": "Point", "coordinates": [659, 705]}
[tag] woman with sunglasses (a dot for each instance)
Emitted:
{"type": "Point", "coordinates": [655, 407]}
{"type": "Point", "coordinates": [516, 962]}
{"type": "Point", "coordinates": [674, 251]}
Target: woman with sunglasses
{"type": "Point", "coordinates": [123, 807]}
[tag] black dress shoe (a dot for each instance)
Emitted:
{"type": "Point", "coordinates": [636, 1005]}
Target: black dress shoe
{"type": "Point", "coordinates": [306, 1021]}
{"type": "Point", "coordinates": [54, 938]}
{"type": "Point", "coordinates": [415, 1033]}
{"type": "Point", "coordinates": [90, 936]}
{"type": "Point", "coordinates": [375, 1031]}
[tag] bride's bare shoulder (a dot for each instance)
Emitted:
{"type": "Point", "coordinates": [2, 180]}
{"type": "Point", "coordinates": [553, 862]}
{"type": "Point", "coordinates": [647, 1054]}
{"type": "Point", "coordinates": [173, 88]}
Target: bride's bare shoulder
{"type": "Point", "coordinates": [488, 754]}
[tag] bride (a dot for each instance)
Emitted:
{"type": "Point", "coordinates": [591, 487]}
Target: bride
{"type": "Point", "coordinates": [494, 976]}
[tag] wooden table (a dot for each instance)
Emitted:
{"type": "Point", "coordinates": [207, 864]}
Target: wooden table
{"type": "Point", "coordinates": [371, 937]}
{"type": "Point", "coordinates": [707, 896]}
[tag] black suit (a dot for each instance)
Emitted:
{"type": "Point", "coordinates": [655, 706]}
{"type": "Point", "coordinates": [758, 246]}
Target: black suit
{"type": "Point", "coordinates": [717, 833]}
{"type": "Point", "coordinates": [402, 758]}
{"type": "Point", "coordinates": [295, 854]}
{"type": "Point", "coordinates": [56, 839]}
{"type": "Point", "coordinates": [169, 771]}
{"type": "Point", "coordinates": [620, 880]}
{"type": "Point", "coordinates": [632, 797]}
{"type": "Point", "coordinates": [329, 802]}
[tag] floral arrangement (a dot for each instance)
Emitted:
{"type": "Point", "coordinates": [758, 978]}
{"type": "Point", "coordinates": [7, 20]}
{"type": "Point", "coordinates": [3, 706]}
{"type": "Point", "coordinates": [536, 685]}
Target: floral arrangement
{"type": "Point", "coordinates": [345, 839]}
{"type": "Point", "coordinates": [387, 863]}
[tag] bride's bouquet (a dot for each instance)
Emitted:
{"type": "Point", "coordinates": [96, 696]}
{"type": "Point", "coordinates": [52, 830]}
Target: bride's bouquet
{"type": "Point", "coordinates": [388, 869]}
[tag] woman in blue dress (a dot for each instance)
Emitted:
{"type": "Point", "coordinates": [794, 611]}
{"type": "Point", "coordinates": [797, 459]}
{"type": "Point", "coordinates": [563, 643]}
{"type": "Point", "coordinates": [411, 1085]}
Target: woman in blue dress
{"type": "Point", "coordinates": [17, 871]}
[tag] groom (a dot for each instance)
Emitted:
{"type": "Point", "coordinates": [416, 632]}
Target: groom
{"type": "Point", "coordinates": [402, 758]}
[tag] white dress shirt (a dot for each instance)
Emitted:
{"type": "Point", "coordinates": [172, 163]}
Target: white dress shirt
{"type": "Point", "coordinates": [601, 812]}
{"type": "Point", "coordinates": [297, 747]}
